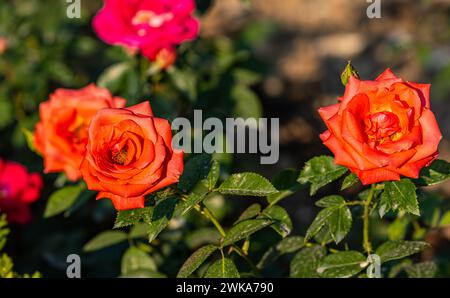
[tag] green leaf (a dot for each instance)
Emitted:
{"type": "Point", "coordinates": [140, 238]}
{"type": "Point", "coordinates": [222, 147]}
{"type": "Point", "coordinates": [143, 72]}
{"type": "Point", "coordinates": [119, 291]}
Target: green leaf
{"type": "Point", "coordinates": [285, 246]}
{"type": "Point", "coordinates": [246, 76]}
{"type": "Point", "coordinates": [162, 214]}
{"type": "Point", "coordinates": [29, 137]}
{"type": "Point", "coordinates": [6, 112]}
{"type": "Point", "coordinates": [135, 259]}
{"type": "Point", "coordinates": [197, 195]}
{"type": "Point", "coordinates": [330, 201]}
{"type": "Point", "coordinates": [105, 239]}
{"type": "Point", "coordinates": [202, 236]}
{"type": "Point", "coordinates": [196, 169]}
{"type": "Point", "coordinates": [398, 268]}
{"type": "Point", "coordinates": [61, 200]}
{"type": "Point", "coordinates": [348, 72]}
{"type": "Point", "coordinates": [436, 173]}
{"type": "Point", "coordinates": [282, 222]}
{"type": "Point", "coordinates": [141, 273]}
{"type": "Point", "coordinates": [324, 236]}
{"type": "Point", "coordinates": [349, 181]}
{"type": "Point", "coordinates": [247, 184]}
{"type": "Point", "coordinates": [131, 217]}
{"type": "Point", "coordinates": [290, 244]}
{"type": "Point", "coordinates": [4, 230]}
{"type": "Point", "coordinates": [251, 212]}
{"type": "Point", "coordinates": [394, 250]}
{"type": "Point", "coordinates": [244, 229]}
{"type": "Point", "coordinates": [399, 195]}
{"type": "Point", "coordinates": [286, 183]}
{"type": "Point", "coordinates": [213, 175]}
{"type": "Point", "coordinates": [139, 230]}
{"type": "Point", "coordinates": [306, 262]}
{"type": "Point", "coordinates": [422, 270]}
{"type": "Point", "coordinates": [445, 220]}
{"type": "Point", "coordinates": [196, 260]}
{"type": "Point", "coordinates": [319, 171]}
{"type": "Point", "coordinates": [319, 222]}
{"type": "Point", "coordinates": [84, 197]}
{"type": "Point", "coordinates": [223, 268]}
{"type": "Point", "coordinates": [247, 103]}
{"type": "Point", "coordinates": [342, 264]}
{"type": "Point", "coordinates": [397, 229]}
{"type": "Point", "coordinates": [185, 81]}
{"type": "Point", "coordinates": [112, 76]}
{"type": "Point", "coordinates": [337, 218]}
{"type": "Point", "coordinates": [339, 223]}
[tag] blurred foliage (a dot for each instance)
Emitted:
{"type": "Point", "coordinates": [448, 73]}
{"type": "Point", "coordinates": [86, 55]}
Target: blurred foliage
{"type": "Point", "coordinates": [6, 263]}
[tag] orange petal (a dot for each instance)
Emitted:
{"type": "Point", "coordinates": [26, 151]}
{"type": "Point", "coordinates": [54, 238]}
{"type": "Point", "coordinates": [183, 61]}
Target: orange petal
{"type": "Point", "coordinates": [328, 112]}
{"type": "Point", "coordinates": [431, 136]}
{"type": "Point", "coordinates": [423, 91]}
{"type": "Point", "coordinates": [387, 75]}
{"type": "Point", "coordinates": [412, 169]}
{"type": "Point", "coordinates": [341, 157]}
{"type": "Point", "coordinates": [121, 203]}
{"type": "Point", "coordinates": [142, 108]}
{"type": "Point", "coordinates": [376, 175]}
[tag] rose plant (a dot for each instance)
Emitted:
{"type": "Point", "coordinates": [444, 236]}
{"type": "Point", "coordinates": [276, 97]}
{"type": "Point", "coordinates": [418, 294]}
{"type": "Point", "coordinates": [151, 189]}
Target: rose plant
{"type": "Point", "coordinates": [382, 131]}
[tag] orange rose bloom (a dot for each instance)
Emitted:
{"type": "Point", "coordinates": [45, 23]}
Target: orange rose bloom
{"type": "Point", "coordinates": [61, 135]}
{"type": "Point", "coordinates": [129, 155]}
{"type": "Point", "coordinates": [382, 129]}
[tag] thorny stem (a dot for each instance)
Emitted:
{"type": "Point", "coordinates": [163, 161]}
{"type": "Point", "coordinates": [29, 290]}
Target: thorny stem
{"type": "Point", "coordinates": [212, 218]}
{"type": "Point", "coordinates": [353, 203]}
{"type": "Point", "coordinates": [366, 241]}
{"type": "Point", "coordinates": [223, 262]}
{"type": "Point", "coordinates": [202, 209]}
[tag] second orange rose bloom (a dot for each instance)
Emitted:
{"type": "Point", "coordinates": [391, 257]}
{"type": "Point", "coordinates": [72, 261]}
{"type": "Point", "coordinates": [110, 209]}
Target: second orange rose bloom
{"type": "Point", "coordinates": [382, 129]}
{"type": "Point", "coordinates": [61, 134]}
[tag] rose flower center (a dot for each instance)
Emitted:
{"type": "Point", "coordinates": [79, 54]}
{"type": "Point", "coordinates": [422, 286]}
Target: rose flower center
{"type": "Point", "coordinates": [119, 156]}
{"type": "Point", "coordinates": [382, 126]}
{"type": "Point", "coordinates": [148, 18]}
{"type": "Point", "coordinates": [78, 130]}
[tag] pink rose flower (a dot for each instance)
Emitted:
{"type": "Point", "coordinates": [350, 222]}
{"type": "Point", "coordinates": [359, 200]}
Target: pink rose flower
{"type": "Point", "coordinates": [150, 26]}
{"type": "Point", "coordinates": [18, 189]}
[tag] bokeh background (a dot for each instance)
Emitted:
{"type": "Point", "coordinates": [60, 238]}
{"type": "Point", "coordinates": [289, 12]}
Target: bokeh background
{"type": "Point", "coordinates": [256, 58]}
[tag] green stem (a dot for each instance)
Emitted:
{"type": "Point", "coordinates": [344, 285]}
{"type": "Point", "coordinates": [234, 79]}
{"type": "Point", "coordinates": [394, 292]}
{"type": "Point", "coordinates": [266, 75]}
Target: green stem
{"type": "Point", "coordinates": [202, 209]}
{"type": "Point", "coordinates": [212, 218]}
{"type": "Point", "coordinates": [246, 258]}
{"type": "Point", "coordinates": [354, 203]}
{"type": "Point", "coordinates": [366, 239]}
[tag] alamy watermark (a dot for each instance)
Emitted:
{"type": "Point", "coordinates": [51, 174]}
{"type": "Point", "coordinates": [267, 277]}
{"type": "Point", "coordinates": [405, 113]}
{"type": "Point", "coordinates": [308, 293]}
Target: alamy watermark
{"type": "Point", "coordinates": [374, 9]}
{"type": "Point", "coordinates": [74, 268]}
{"type": "Point", "coordinates": [374, 268]}
{"type": "Point", "coordinates": [73, 10]}
{"type": "Point", "coordinates": [235, 135]}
